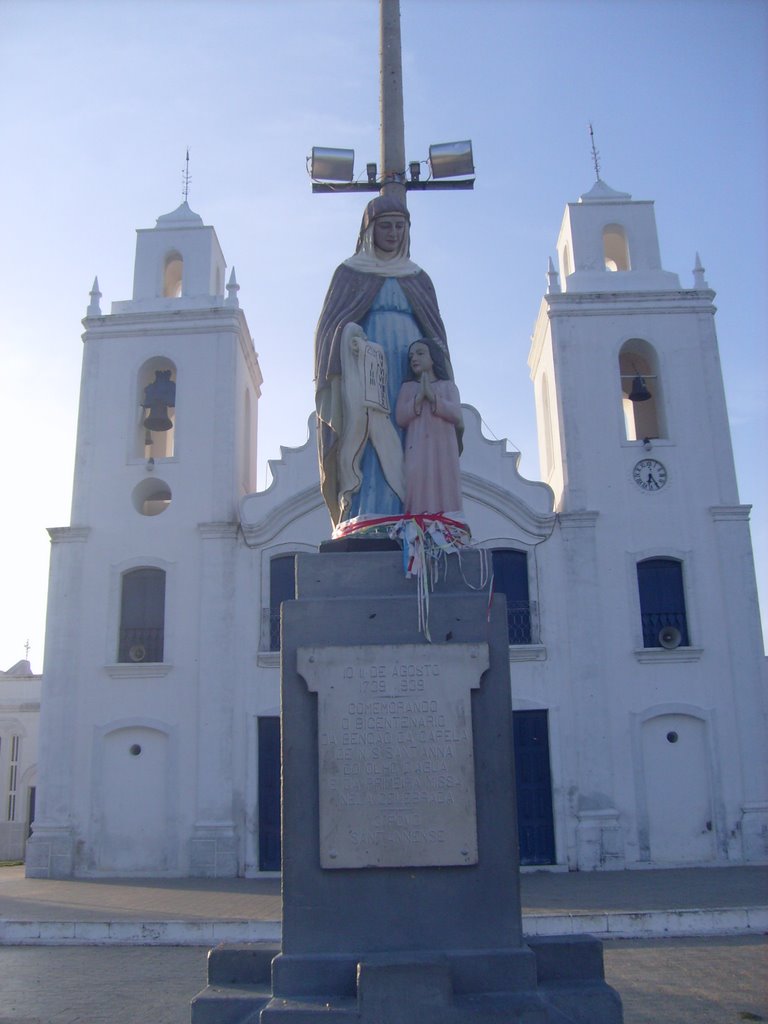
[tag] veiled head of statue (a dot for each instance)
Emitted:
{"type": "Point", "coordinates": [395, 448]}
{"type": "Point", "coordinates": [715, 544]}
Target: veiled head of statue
{"type": "Point", "coordinates": [384, 231]}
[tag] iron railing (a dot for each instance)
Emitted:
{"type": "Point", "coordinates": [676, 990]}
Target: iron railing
{"type": "Point", "coordinates": [519, 622]}
{"type": "Point", "coordinates": [655, 622]}
{"type": "Point", "coordinates": [141, 644]}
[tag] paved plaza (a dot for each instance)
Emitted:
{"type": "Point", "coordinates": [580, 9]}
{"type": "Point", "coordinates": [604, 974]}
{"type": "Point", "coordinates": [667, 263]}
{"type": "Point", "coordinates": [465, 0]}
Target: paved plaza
{"type": "Point", "coordinates": [715, 977]}
{"type": "Point", "coordinates": [661, 981]}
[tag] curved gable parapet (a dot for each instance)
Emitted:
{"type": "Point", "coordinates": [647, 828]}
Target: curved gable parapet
{"type": "Point", "coordinates": [510, 506]}
{"type": "Point", "coordinates": [263, 520]}
{"type": "Point", "coordinates": [489, 477]}
{"type": "Point", "coordinates": [489, 463]}
{"type": "Point", "coordinates": [294, 492]}
{"type": "Point", "coordinates": [295, 468]}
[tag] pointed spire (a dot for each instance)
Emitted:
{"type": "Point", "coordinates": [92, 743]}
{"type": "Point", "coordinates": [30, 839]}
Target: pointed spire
{"type": "Point", "coordinates": [232, 289]}
{"type": "Point", "coordinates": [699, 281]}
{"type": "Point", "coordinates": [94, 309]}
{"type": "Point", "coordinates": [553, 279]}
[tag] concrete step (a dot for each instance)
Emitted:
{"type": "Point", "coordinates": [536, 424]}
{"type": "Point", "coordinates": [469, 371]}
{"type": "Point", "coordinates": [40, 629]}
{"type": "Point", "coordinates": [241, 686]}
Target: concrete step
{"type": "Point", "coordinates": [244, 963]}
{"type": "Point", "coordinates": [230, 1004]}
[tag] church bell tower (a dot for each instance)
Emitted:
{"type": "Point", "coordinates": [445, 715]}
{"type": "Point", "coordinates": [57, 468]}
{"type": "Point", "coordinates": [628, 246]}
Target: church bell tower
{"type": "Point", "coordinates": [663, 619]}
{"type": "Point", "coordinates": [141, 597]}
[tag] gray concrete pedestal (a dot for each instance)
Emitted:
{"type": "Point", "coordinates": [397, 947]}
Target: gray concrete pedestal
{"type": "Point", "coordinates": [401, 900]}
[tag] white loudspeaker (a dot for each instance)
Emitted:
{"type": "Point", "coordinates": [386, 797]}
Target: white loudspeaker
{"type": "Point", "coordinates": [670, 638]}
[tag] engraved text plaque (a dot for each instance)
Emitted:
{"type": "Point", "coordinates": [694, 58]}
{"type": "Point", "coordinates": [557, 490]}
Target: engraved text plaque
{"type": "Point", "coordinates": [396, 764]}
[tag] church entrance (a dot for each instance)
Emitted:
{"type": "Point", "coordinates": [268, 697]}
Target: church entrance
{"type": "Point", "coordinates": [533, 781]}
{"type": "Point", "coordinates": [269, 793]}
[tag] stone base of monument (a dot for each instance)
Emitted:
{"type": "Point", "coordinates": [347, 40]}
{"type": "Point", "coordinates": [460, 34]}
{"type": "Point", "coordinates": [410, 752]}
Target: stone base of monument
{"type": "Point", "coordinates": [565, 986]}
{"type": "Point", "coordinates": [401, 900]}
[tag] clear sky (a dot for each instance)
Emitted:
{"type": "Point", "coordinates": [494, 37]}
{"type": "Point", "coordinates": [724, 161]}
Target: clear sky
{"type": "Point", "coordinates": [99, 100]}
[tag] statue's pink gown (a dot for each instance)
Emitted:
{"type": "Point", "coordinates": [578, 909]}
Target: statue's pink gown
{"type": "Point", "coordinates": [432, 479]}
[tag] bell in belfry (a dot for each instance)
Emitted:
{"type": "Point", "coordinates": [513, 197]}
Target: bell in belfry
{"type": "Point", "coordinates": [158, 396]}
{"type": "Point", "coordinates": [639, 392]}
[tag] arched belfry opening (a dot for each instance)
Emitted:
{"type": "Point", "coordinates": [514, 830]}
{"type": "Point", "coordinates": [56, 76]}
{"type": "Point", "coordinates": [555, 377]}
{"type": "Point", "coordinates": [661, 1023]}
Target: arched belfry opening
{"type": "Point", "coordinates": [615, 248]}
{"type": "Point", "coordinates": [173, 275]}
{"type": "Point", "coordinates": [641, 391]}
{"type": "Point", "coordinates": [155, 432]}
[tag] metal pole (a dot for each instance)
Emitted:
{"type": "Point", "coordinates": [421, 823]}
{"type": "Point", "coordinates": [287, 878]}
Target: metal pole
{"type": "Point", "coordinates": [391, 98]}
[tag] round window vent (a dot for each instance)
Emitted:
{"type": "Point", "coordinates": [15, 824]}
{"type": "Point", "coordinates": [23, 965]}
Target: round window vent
{"type": "Point", "coordinates": [151, 497]}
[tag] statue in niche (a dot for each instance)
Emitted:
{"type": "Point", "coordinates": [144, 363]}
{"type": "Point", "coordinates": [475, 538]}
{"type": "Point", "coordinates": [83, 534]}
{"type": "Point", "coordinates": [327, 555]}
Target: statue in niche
{"type": "Point", "coordinates": [429, 410]}
{"type": "Point", "coordinates": [392, 303]}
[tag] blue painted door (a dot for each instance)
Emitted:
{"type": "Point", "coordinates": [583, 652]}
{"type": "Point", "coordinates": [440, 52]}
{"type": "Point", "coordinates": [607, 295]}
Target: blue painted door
{"type": "Point", "coordinates": [534, 787]}
{"type": "Point", "coordinates": [269, 793]}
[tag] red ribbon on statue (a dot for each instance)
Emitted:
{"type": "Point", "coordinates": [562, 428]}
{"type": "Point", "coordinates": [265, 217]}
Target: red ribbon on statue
{"type": "Point", "coordinates": [368, 523]}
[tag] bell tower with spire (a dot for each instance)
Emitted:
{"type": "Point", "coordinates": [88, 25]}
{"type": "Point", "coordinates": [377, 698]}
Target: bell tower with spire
{"type": "Point", "coordinates": [141, 600]}
{"type": "Point", "coordinates": [634, 441]}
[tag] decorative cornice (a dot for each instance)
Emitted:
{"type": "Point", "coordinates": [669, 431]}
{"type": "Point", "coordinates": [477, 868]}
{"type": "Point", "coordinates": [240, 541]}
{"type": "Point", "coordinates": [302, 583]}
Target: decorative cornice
{"type": "Point", "coordinates": [130, 671]}
{"type": "Point", "coordinates": [657, 655]}
{"type": "Point", "coordinates": [217, 531]}
{"type": "Point", "coordinates": [628, 303]}
{"type": "Point", "coordinates": [730, 513]}
{"type": "Point", "coordinates": [527, 652]}
{"type": "Point", "coordinates": [578, 520]}
{"type": "Point", "coordinates": [69, 534]}
{"type": "Point", "coordinates": [143, 321]}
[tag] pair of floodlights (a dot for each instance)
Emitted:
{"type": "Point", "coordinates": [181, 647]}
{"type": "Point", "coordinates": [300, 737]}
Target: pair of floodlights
{"type": "Point", "coordinates": [450, 163]}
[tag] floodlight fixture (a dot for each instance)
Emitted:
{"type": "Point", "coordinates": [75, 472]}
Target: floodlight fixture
{"type": "Point", "coordinates": [415, 168]}
{"type": "Point", "coordinates": [370, 170]}
{"type": "Point", "coordinates": [451, 159]}
{"type": "Point", "coordinates": [332, 164]}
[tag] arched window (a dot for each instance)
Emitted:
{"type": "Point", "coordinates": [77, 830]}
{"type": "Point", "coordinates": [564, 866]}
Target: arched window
{"type": "Point", "coordinates": [662, 602]}
{"type": "Point", "coordinates": [282, 587]}
{"type": "Point", "coordinates": [173, 275]}
{"type": "Point", "coordinates": [156, 401]}
{"type": "Point", "coordinates": [13, 777]}
{"type": "Point", "coordinates": [615, 248]}
{"type": "Point", "coordinates": [510, 577]}
{"type": "Point", "coordinates": [641, 391]}
{"type": "Point", "coordinates": [142, 616]}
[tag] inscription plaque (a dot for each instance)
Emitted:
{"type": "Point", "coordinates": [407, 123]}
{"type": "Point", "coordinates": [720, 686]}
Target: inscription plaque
{"type": "Point", "coordinates": [396, 763]}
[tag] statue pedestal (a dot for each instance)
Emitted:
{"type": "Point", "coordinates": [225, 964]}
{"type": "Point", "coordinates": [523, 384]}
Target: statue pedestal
{"type": "Point", "coordinates": [401, 899]}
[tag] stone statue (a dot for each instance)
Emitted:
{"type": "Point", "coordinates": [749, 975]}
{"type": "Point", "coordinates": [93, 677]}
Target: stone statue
{"type": "Point", "coordinates": [392, 303]}
{"type": "Point", "coordinates": [429, 409]}
{"type": "Point", "coordinates": [366, 417]}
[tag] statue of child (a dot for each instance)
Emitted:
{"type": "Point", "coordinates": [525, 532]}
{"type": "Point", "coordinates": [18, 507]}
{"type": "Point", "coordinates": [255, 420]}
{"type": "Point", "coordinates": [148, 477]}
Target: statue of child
{"type": "Point", "coordinates": [429, 409]}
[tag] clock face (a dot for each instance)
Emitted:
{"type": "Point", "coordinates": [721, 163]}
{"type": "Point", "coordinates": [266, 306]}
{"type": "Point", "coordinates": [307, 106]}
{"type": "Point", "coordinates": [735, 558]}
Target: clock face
{"type": "Point", "coordinates": [649, 475]}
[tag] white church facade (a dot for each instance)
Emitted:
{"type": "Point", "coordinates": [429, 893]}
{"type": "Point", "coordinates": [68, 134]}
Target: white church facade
{"type": "Point", "coordinates": [635, 649]}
